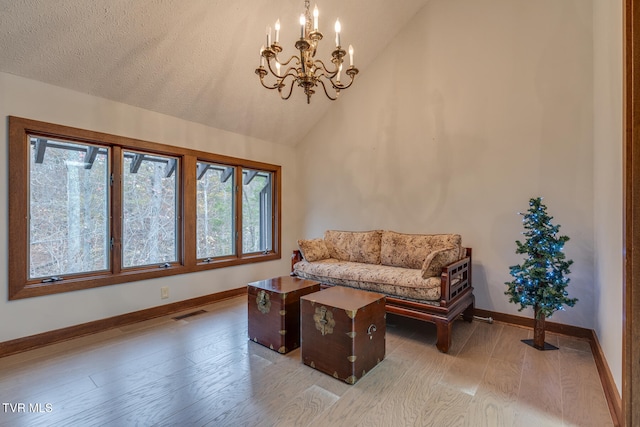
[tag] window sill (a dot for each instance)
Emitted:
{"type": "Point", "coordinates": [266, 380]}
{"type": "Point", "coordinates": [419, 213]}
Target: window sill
{"type": "Point", "coordinates": [31, 289]}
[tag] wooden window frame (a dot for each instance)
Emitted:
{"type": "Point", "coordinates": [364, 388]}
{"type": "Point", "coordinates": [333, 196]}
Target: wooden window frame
{"type": "Point", "coordinates": [20, 286]}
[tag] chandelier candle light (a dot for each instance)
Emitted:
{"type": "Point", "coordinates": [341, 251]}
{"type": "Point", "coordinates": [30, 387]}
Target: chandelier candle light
{"type": "Point", "coordinates": [304, 69]}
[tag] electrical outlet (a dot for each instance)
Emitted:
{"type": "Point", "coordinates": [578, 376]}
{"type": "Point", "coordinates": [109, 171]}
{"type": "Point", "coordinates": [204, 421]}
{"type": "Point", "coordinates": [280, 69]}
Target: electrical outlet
{"type": "Point", "coordinates": [164, 292]}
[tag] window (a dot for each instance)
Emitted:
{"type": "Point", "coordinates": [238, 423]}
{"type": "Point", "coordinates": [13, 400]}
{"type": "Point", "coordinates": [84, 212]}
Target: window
{"type": "Point", "coordinates": [256, 211]}
{"type": "Point", "coordinates": [68, 215]}
{"type": "Point", "coordinates": [216, 210]}
{"type": "Point", "coordinates": [149, 204]}
{"type": "Point", "coordinates": [89, 209]}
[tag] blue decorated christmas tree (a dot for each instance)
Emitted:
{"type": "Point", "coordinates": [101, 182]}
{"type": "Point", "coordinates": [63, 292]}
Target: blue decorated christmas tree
{"type": "Point", "coordinates": [540, 281]}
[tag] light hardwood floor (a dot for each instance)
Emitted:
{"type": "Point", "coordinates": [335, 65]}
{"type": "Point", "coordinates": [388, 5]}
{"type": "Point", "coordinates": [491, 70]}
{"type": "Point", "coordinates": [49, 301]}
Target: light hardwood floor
{"type": "Point", "coordinates": [202, 370]}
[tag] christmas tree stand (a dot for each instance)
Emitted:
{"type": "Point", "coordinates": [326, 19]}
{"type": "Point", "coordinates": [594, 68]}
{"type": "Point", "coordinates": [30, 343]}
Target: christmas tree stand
{"type": "Point", "coordinates": [545, 345]}
{"type": "Point", "coordinates": [538, 334]}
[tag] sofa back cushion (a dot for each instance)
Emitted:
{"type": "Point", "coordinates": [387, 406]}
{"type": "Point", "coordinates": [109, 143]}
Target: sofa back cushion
{"type": "Point", "coordinates": [354, 246]}
{"type": "Point", "coordinates": [365, 247]}
{"type": "Point", "coordinates": [338, 243]}
{"type": "Point", "coordinates": [411, 250]}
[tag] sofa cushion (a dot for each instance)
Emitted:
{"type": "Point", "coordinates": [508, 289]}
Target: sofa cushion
{"type": "Point", "coordinates": [411, 250]}
{"type": "Point", "coordinates": [313, 249]}
{"type": "Point", "coordinates": [393, 281]}
{"type": "Point", "coordinates": [438, 259]}
{"type": "Point", "coordinates": [365, 247]}
{"type": "Point", "coordinates": [339, 244]}
{"type": "Point", "coordinates": [355, 246]}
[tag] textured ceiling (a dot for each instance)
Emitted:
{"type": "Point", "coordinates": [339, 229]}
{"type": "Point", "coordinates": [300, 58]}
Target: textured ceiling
{"type": "Point", "coordinates": [192, 59]}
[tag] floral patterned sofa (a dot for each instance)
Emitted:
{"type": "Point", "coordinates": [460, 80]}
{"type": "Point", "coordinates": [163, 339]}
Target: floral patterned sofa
{"type": "Point", "coordinates": [424, 276]}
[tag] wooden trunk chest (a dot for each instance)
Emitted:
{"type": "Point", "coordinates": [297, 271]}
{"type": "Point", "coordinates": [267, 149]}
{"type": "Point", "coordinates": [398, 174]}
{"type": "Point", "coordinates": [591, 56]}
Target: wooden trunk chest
{"type": "Point", "coordinates": [343, 332]}
{"type": "Point", "coordinates": [274, 311]}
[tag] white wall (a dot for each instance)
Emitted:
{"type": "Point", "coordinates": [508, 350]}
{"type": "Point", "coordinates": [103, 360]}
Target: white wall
{"type": "Point", "coordinates": [475, 107]}
{"type": "Point", "coordinates": [38, 101]}
{"type": "Point", "coordinates": [608, 180]}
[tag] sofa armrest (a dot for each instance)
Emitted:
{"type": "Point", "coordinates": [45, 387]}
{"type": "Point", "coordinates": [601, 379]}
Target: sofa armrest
{"type": "Point", "coordinates": [455, 280]}
{"type": "Point", "coordinates": [296, 257]}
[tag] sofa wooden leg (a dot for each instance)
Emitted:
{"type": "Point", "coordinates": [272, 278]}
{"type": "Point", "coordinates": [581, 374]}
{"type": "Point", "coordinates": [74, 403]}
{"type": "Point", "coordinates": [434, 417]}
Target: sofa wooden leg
{"type": "Point", "coordinates": [444, 336]}
{"type": "Point", "coordinates": [468, 313]}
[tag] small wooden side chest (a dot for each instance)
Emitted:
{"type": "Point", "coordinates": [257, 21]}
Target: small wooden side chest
{"type": "Point", "coordinates": [274, 311]}
{"type": "Point", "coordinates": [343, 332]}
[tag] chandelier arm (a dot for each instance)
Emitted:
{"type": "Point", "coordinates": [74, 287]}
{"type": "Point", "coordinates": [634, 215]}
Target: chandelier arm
{"type": "Point", "coordinates": [293, 57]}
{"type": "Point", "coordinates": [290, 89]}
{"type": "Point", "coordinates": [281, 65]}
{"type": "Point", "coordinates": [324, 87]}
{"type": "Point", "coordinates": [280, 83]}
{"type": "Point", "coordinates": [342, 86]}
{"type": "Point", "coordinates": [327, 72]}
{"type": "Point", "coordinates": [291, 72]}
{"type": "Point", "coordinates": [275, 85]}
{"type": "Point", "coordinates": [271, 69]}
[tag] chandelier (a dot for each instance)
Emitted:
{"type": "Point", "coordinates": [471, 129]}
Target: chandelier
{"type": "Point", "coordinates": [303, 69]}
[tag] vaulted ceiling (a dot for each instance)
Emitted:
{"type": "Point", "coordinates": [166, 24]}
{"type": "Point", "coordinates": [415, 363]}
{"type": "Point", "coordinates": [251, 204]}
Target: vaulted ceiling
{"type": "Point", "coordinates": [192, 59]}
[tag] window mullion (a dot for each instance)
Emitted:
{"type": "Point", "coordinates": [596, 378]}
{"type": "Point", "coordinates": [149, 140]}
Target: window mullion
{"type": "Point", "coordinates": [275, 213]}
{"type": "Point", "coordinates": [187, 225]}
{"type": "Point", "coordinates": [238, 214]}
{"type": "Point", "coordinates": [116, 209]}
